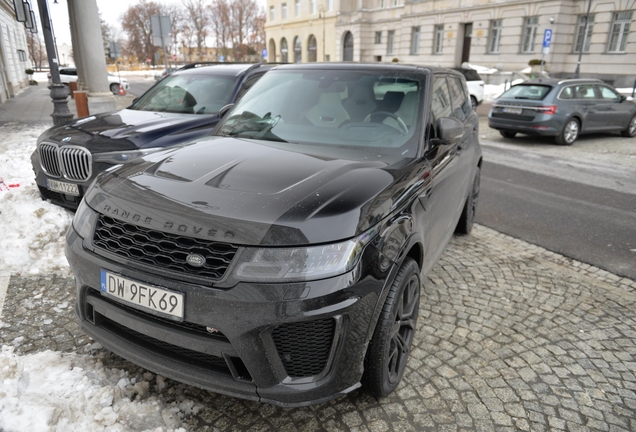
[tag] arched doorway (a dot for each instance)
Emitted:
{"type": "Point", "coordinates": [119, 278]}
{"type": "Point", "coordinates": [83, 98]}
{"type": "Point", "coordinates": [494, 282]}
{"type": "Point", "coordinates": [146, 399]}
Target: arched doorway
{"type": "Point", "coordinates": [271, 54]}
{"type": "Point", "coordinates": [347, 51]}
{"type": "Point", "coordinates": [283, 50]}
{"type": "Point", "coordinates": [298, 50]}
{"type": "Point", "coordinates": [312, 54]}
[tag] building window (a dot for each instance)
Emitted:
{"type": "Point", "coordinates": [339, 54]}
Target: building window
{"type": "Point", "coordinates": [283, 51]}
{"type": "Point", "coordinates": [297, 8]}
{"type": "Point", "coordinates": [494, 37]}
{"type": "Point", "coordinates": [619, 32]}
{"type": "Point", "coordinates": [378, 37]}
{"type": "Point", "coordinates": [389, 41]}
{"type": "Point", "coordinates": [312, 6]}
{"type": "Point", "coordinates": [415, 40]}
{"type": "Point", "coordinates": [329, 5]}
{"type": "Point", "coordinates": [529, 34]}
{"type": "Point", "coordinates": [22, 55]}
{"type": "Point", "coordinates": [311, 49]}
{"type": "Point", "coordinates": [438, 46]}
{"type": "Point", "coordinates": [381, 4]}
{"type": "Point", "coordinates": [283, 11]}
{"type": "Point", "coordinates": [395, 2]}
{"type": "Point", "coordinates": [298, 50]}
{"type": "Point", "coordinates": [580, 34]}
{"type": "Point", "coordinates": [272, 14]}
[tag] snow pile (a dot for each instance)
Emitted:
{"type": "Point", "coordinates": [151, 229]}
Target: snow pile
{"type": "Point", "coordinates": [50, 391]}
{"type": "Point", "coordinates": [32, 239]}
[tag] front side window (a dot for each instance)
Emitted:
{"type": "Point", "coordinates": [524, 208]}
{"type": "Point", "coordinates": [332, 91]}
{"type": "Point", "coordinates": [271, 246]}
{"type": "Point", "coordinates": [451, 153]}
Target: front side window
{"type": "Point", "coordinates": [329, 112]}
{"type": "Point", "coordinates": [283, 11]}
{"type": "Point", "coordinates": [389, 41]}
{"type": "Point", "coordinates": [529, 34]}
{"type": "Point", "coordinates": [494, 37]}
{"type": "Point", "coordinates": [619, 32]}
{"type": "Point", "coordinates": [187, 94]}
{"type": "Point", "coordinates": [441, 105]}
{"type": "Point", "coordinates": [378, 37]}
{"type": "Point", "coordinates": [580, 33]}
{"type": "Point", "coordinates": [415, 40]}
{"type": "Point", "coordinates": [608, 94]}
{"type": "Point", "coordinates": [438, 46]}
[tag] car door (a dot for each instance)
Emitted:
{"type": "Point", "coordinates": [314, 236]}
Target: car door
{"type": "Point", "coordinates": [587, 103]}
{"type": "Point", "coordinates": [445, 193]}
{"type": "Point", "coordinates": [616, 114]}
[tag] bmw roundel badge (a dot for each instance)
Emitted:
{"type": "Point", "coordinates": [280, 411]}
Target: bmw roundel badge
{"type": "Point", "coordinates": [66, 139]}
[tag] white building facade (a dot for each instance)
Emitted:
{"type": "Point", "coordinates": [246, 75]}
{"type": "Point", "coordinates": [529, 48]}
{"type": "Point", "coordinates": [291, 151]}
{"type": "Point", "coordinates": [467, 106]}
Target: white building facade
{"type": "Point", "coordinates": [14, 53]}
{"type": "Point", "coordinates": [505, 34]}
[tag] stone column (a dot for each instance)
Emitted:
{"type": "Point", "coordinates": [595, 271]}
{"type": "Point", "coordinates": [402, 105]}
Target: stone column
{"type": "Point", "coordinates": [77, 49]}
{"type": "Point", "coordinates": [92, 59]}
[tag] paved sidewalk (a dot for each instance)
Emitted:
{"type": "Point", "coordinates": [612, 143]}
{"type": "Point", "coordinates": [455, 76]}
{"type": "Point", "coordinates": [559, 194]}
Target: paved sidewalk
{"type": "Point", "coordinates": [34, 105]}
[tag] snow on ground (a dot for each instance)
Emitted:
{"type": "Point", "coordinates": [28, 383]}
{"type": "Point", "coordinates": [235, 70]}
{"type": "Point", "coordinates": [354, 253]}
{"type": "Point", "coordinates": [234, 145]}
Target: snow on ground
{"type": "Point", "coordinates": [32, 240]}
{"type": "Point", "coordinates": [50, 391]}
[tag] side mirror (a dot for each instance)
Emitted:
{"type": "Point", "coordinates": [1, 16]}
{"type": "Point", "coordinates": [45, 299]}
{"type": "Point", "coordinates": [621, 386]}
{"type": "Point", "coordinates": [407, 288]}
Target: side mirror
{"type": "Point", "coordinates": [135, 100]}
{"type": "Point", "coordinates": [225, 109]}
{"type": "Point", "coordinates": [449, 130]}
{"type": "Point", "coordinates": [623, 98]}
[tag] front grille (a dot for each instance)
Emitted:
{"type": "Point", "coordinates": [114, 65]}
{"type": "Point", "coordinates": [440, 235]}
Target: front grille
{"type": "Point", "coordinates": [162, 250]}
{"type": "Point", "coordinates": [72, 162]}
{"type": "Point", "coordinates": [49, 160]}
{"type": "Point", "coordinates": [76, 163]}
{"type": "Point", "coordinates": [304, 347]}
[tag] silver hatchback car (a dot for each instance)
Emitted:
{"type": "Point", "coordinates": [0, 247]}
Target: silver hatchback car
{"type": "Point", "coordinates": [563, 109]}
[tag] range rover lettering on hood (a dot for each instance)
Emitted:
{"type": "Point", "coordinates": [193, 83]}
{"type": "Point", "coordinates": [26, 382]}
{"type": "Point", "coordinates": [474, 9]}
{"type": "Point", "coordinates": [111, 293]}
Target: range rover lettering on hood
{"type": "Point", "coordinates": [166, 225]}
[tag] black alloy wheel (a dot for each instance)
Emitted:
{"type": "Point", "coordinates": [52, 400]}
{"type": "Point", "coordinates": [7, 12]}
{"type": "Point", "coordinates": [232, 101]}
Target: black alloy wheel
{"type": "Point", "coordinates": [390, 346]}
{"type": "Point", "coordinates": [569, 133]}
{"type": "Point", "coordinates": [467, 218]}
{"type": "Point", "coordinates": [630, 131]}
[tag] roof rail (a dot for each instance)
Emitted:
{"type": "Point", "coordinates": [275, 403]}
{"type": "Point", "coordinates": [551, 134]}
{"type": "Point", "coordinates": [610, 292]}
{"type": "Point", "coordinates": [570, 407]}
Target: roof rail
{"type": "Point", "coordinates": [579, 79]}
{"type": "Point", "coordinates": [199, 64]}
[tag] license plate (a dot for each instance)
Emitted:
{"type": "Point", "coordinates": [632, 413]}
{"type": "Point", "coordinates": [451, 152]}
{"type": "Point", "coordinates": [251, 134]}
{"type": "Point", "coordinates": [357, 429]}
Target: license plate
{"type": "Point", "coordinates": [150, 298]}
{"type": "Point", "coordinates": [65, 188]}
{"type": "Point", "coordinates": [517, 111]}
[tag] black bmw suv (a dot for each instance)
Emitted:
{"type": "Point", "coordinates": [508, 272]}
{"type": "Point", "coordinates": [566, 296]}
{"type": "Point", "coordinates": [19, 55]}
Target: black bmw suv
{"type": "Point", "coordinates": [181, 107]}
{"type": "Point", "coordinates": [280, 260]}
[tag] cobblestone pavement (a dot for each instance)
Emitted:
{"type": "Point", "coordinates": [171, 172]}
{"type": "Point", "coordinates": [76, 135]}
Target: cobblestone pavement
{"type": "Point", "coordinates": [511, 337]}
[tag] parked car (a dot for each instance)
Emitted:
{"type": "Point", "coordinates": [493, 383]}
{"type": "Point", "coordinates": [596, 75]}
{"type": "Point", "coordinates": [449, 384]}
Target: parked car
{"type": "Point", "coordinates": [69, 74]}
{"type": "Point", "coordinates": [181, 107]}
{"type": "Point", "coordinates": [280, 260]}
{"type": "Point", "coordinates": [475, 85]}
{"type": "Point", "coordinates": [563, 109]}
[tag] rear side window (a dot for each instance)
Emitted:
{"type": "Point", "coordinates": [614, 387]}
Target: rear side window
{"type": "Point", "coordinates": [527, 91]}
{"type": "Point", "coordinates": [470, 74]}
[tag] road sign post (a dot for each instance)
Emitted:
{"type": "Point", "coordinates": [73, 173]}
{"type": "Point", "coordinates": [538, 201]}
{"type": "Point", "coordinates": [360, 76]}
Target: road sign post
{"type": "Point", "coordinates": [547, 40]}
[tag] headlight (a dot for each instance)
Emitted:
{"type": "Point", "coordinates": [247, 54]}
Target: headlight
{"type": "Point", "coordinates": [123, 157]}
{"type": "Point", "coordinates": [84, 220]}
{"type": "Point", "coordinates": [300, 264]}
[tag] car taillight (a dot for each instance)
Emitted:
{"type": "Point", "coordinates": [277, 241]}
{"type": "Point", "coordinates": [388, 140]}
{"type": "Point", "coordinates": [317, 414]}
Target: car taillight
{"type": "Point", "coordinates": [551, 109]}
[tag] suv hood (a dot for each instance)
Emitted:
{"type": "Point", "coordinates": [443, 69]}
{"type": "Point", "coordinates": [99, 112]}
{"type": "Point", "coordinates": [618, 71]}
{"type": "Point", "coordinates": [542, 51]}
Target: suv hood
{"type": "Point", "coordinates": [125, 129]}
{"type": "Point", "coordinates": [249, 193]}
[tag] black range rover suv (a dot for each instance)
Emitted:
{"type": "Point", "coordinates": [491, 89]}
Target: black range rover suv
{"type": "Point", "coordinates": [183, 106]}
{"type": "Point", "coordinates": [280, 260]}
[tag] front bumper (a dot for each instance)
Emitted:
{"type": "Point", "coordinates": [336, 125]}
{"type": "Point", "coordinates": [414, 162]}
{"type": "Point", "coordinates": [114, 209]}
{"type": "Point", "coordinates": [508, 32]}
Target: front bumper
{"type": "Point", "coordinates": [289, 344]}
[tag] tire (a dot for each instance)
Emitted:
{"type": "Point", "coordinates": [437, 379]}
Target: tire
{"type": "Point", "coordinates": [114, 87]}
{"type": "Point", "coordinates": [508, 134]}
{"type": "Point", "coordinates": [467, 218]}
{"type": "Point", "coordinates": [473, 102]}
{"type": "Point", "coordinates": [630, 131]}
{"type": "Point", "coordinates": [569, 133]}
{"type": "Point", "coordinates": [390, 345]}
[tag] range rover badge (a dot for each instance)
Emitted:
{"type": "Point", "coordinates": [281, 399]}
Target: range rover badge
{"type": "Point", "coordinates": [195, 260]}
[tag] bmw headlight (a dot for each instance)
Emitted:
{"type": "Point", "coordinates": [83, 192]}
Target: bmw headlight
{"type": "Point", "coordinates": [300, 263]}
{"type": "Point", "coordinates": [84, 220]}
{"type": "Point", "coordinates": [120, 157]}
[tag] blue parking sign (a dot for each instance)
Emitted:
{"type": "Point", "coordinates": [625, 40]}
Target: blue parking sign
{"type": "Point", "coordinates": [264, 53]}
{"type": "Point", "coordinates": [547, 38]}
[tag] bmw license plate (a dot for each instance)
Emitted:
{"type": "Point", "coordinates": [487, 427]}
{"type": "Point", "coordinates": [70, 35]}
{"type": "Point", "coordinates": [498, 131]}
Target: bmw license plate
{"type": "Point", "coordinates": [65, 188]}
{"type": "Point", "coordinates": [517, 111]}
{"type": "Point", "coordinates": [153, 299]}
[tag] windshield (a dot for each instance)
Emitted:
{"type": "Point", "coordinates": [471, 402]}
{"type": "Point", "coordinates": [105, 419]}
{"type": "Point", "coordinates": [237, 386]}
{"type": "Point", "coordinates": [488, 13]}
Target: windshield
{"type": "Point", "coordinates": [187, 94]}
{"type": "Point", "coordinates": [527, 91]}
{"type": "Point", "coordinates": [369, 111]}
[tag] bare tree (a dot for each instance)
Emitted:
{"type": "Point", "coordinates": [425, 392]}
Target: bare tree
{"type": "Point", "coordinates": [197, 15]}
{"type": "Point", "coordinates": [221, 23]}
{"type": "Point", "coordinates": [137, 25]}
{"type": "Point", "coordinates": [37, 50]}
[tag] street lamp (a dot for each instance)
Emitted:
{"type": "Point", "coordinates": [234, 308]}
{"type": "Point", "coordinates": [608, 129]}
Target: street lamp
{"type": "Point", "coordinates": [321, 15]}
{"type": "Point", "coordinates": [587, 23]}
